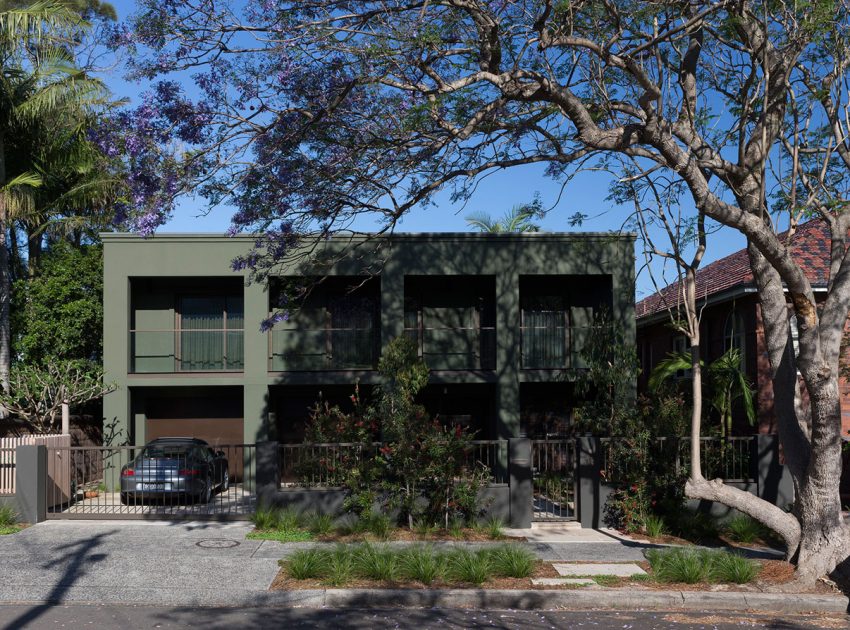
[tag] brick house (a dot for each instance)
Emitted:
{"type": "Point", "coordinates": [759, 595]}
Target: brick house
{"type": "Point", "coordinates": [731, 316]}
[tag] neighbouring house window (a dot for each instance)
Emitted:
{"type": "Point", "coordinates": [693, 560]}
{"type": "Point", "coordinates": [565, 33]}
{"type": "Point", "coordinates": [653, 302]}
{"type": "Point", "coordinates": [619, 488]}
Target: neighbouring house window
{"type": "Point", "coordinates": [351, 339]}
{"type": "Point", "coordinates": [211, 333]}
{"type": "Point", "coordinates": [734, 335]}
{"type": "Point", "coordinates": [680, 346]}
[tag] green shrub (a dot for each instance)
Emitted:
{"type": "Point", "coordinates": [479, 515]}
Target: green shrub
{"type": "Point", "coordinates": [456, 529]}
{"type": "Point", "coordinates": [378, 525]}
{"type": "Point", "coordinates": [376, 563]}
{"type": "Point", "coordinates": [288, 519]}
{"type": "Point", "coordinates": [654, 526]}
{"type": "Point", "coordinates": [421, 563]}
{"type": "Point", "coordinates": [463, 565]}
{"type": "Point", "coordinates": [495, 528]}
{"type": "Point", "coordinates": [340, 566]}
{"type": "Point", "coordinates": [266, 517]}
{"type": "Point", "coordinates": [8, 516]}
{"type": "Point", "coordinates": [512, 561]}
{"type": "Point", "coordinates": [308, 564]}
{"type": "Point", "coordinates": [730, 567]}
{"type": "Point", "coordinates": [697, 565]}
{"type": "Point", "coordinates": [744, 529]}
{"type": "Point", "coordinates": [679, 565]}
{"type": "Point", "coordinates": [319, 524]}
{"type": "Point", "coordinates": [697, 526]}
{"type": "Point", "coordinates": [424, 528]}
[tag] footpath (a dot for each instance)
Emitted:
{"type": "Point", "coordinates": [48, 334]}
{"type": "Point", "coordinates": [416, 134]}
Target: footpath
{"type": "Point", "coordinates": [213, 564]}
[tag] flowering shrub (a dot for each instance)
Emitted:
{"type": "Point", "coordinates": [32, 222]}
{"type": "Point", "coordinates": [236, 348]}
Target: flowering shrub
{"type": "Point", "coordinates": [420, 468]}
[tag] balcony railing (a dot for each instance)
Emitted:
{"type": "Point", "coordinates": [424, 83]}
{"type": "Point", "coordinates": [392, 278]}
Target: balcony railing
{"type": "Point", "coordinates": [323, 349]}
{"type": "Point", "coordinates": [456, 348]}
{"type": "Point", "coordinates": [553, 347]}
{"type": "Point", "coordinates": [169, 351]}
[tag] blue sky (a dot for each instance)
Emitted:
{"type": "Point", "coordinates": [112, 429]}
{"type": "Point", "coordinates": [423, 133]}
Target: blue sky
{"type": "Point", "coordinates": [496, 194]}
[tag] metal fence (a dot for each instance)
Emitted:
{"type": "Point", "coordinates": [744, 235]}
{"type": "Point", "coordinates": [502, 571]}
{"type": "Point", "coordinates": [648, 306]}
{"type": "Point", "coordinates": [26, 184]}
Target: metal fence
{"type": "Point", "coordinates": [115, 481]}
{"type": "Point", "coordinates": [325, 465]}
{"type": "Point", "coordinates": [553, 474]}
{"type": "Point", "coordinates": [731, 459]}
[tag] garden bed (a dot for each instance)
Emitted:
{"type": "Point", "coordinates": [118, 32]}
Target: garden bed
{"type": "Point", "coordinates": [342, 567]}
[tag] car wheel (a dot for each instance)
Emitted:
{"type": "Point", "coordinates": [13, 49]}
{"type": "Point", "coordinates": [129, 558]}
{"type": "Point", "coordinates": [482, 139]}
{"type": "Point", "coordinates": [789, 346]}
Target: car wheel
{"type": "Point", "coordinates": [225, 484]}
{"type": "Point", "coordinates": [207, 494]}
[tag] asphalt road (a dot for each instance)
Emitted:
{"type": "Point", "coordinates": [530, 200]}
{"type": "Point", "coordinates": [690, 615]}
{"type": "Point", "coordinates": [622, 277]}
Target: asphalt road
{"type": "Point", "coordinates": [130, 617]}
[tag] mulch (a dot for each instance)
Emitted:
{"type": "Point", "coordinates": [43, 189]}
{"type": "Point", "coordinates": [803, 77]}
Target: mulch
{"type": "Point", "coordinates": [774, 574]}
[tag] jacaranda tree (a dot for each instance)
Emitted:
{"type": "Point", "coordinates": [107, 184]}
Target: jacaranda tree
{"type": "Point", "coordinates": [305, 115]}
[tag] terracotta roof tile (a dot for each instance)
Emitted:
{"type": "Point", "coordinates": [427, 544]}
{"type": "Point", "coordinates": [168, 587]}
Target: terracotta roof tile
{"type": "Point", "coordinates": [810, 248]}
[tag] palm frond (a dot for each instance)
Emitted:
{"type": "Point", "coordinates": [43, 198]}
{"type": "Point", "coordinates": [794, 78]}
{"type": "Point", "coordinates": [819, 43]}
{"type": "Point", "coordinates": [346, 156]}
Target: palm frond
{"type": "Point", "coordinates": [666, 369]}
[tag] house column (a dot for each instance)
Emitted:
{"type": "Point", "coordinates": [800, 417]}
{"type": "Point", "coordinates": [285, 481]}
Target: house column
{"type": "Point", "coordinates": [255, 390]}
{"type": "Point", "coordinates": [508, 348]}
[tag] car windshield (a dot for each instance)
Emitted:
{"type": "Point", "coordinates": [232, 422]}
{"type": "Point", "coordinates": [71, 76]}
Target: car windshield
{"type": "Point", "coordinates": [166, 451]}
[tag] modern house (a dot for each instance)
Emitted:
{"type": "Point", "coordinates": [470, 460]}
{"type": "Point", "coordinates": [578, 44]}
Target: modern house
{"type": "Point", "coordinates": [731, 317]}
{"type": "Point", "coordinates": [499, 318]}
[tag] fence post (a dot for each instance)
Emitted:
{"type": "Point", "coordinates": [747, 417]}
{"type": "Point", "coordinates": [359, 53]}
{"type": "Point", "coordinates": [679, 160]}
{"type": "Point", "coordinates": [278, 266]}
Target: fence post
{"type": "Point", "coordinates": [589, 481]}
{"type": "Point", "coordinates": [774, 480]}
{"type": "Point", "coordinates": [519, 467]}
{"type": "Point", "coordinates": [267, 471]}
{"type": "Point", "coordinates": [31, 482]}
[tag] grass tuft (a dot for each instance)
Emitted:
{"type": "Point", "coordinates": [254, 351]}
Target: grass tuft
{"type": "Point", "coordinates": [690, 566]}
{"type": "Point", "coordinates": [376, 563]}
{"type": "Point", "coordinates": [456, 529]}
{"type": "Point", "coordinates": [319, 524]}
{"type": "Point", "coordinates": [308, 564]}
{"type": "Point", "coordinates": [687, 566]}
{"type": "Point", "coordinates": [512, 561]}
{"type": "Point", "coordinates": [463, 565]}
{"type": "Point", "coordinates": [424, 528]}
{"type": "Point", "coordinates": [8, 516]}
{"type": "Point", "coordinates": [422, 564]}
{"type": "Point", "coordinates": [281, 535]}
{"type": "Point", "coordinates": [730, 567]}
{"type": "Point", "coordinates": [654, 526]}
{"type": "Point", "coordinates": [495, 528]}
{"type": "Point", "coordinates": [340, 566]}
{"type": "Point", "coordinates": [744, 529]}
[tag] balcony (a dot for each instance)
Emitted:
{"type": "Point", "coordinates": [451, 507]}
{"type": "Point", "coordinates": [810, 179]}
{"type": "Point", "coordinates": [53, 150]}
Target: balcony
{"type": "Point", "coordinates": [553, 347]}
{"type": "Point", "coordinates": [323, 349]}
{"type": "Point", "coordinates": [170, 351]}
{"type": "Point", "coordinates": [456, 348]}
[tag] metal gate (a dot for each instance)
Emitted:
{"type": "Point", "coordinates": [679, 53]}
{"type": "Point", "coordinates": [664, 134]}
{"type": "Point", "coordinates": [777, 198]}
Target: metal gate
{"type": "Point", "coordinates": [553, 473]}
{"type": "Point", "coordinates": [97, 482]}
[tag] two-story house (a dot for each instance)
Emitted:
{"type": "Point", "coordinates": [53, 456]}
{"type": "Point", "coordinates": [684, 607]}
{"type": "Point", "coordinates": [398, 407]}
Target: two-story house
{"type": "Point", "coordinates": [499, 319]}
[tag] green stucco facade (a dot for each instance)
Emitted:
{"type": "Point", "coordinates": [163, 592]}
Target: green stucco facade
{"type": "Point", "coordinates": [132, 263]}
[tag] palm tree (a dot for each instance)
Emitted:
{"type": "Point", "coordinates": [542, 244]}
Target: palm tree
{"type": "Point", "coordinates": [727, 381]}
{"type": "Point", "coordinates": [518, 219]}
{"type": "Point", "coordinates": [39, 85]}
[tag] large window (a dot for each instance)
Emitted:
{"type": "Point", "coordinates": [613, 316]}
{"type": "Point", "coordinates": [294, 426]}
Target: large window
{"type": "Point", "coordinates": [545, 332]}
{"type": "Point", "coordinates": [734, 335]}
{"type": "Point", "coordinates": [210, 331]}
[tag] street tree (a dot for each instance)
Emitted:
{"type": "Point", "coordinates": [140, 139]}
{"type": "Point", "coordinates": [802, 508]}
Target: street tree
{"type": "Point", "coordinates": [308, 115]}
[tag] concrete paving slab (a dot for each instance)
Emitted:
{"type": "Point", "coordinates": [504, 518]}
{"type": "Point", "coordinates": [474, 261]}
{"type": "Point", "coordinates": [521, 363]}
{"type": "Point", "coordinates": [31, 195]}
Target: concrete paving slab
{"type": "Point", "coordinates": [619, 570]}
{"type": "Point", "coordinates": [562, 582]}
{"type": "Point", "coordinates": [561, 535]}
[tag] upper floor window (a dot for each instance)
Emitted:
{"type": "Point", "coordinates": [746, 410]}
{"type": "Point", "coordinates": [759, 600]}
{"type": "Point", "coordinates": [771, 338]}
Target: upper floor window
{"type": "Point", "coordinates": [210, 330]}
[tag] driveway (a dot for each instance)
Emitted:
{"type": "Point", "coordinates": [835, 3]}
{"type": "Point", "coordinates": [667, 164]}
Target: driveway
{"type": "Point", "coordinates": [159, 563]}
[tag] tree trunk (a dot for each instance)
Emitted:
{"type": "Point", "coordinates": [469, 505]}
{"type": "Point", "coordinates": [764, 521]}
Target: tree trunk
{"type": "Point", "coordinates": [5, 286]}
{"type": "Point", "coordinates": [34, 250]}
{"type": "Point", "coordinates": [824, 539]}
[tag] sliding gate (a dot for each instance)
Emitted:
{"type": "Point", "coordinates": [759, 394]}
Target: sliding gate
{"type": "Point", "coordinates": [553, 473]}
{"type": "Point", "coordinates": [106, 482]}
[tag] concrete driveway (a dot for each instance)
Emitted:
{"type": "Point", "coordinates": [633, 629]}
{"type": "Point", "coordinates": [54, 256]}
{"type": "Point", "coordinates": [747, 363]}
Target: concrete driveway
{"type": "Point", "coordinates": [159, 563]}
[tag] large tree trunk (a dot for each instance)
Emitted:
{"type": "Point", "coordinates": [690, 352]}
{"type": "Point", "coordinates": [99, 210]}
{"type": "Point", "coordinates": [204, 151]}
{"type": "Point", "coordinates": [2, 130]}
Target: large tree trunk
{"type": "Point", "coordinates": [5, 286]}
{"type": "Point", "coordinates": [812, 445]}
